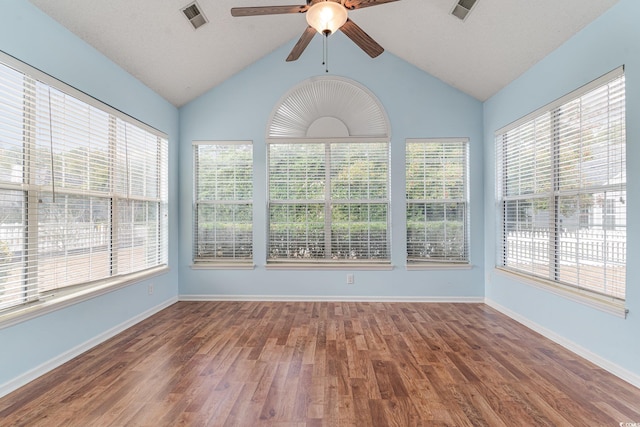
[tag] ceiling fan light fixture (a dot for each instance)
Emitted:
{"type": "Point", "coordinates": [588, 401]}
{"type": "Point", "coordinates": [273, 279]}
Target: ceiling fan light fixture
{"type": "Point", "coordinates": [326, 16]}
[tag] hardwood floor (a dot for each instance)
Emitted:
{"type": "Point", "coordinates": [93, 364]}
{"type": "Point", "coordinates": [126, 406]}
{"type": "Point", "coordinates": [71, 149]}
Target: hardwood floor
{"type": "Point", "coordinates": [325, 364]}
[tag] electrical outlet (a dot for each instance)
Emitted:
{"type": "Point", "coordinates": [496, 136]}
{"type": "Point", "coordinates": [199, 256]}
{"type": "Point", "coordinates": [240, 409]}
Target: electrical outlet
{"type": "Point", "coordinates": [150, 289]}
{"type": "Point", "coordinates": [350, 279]}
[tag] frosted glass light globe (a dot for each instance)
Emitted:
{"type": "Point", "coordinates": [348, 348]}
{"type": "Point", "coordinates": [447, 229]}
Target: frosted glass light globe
{"type": "Point", "coordinates": [326, 16]}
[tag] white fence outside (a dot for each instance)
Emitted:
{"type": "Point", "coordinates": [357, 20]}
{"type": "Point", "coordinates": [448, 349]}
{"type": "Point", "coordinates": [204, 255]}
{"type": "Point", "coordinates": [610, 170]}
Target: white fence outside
{"type": "Point", "coordinates": [586, 246]}
{"type": "Point", "coordinates": [56, 239]}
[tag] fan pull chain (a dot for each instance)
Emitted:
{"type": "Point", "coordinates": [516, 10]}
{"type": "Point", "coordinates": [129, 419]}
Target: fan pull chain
{"type": "Point", "coordinates": [325, 51]}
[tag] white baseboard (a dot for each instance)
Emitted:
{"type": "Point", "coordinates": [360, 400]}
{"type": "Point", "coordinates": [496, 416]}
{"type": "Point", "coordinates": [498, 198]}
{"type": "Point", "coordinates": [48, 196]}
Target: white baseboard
{"type": "Point", "coordinates": [628, 376]}
{"type": "Point", "coordinates": [49, 365]}
{"type": "Point", "coordinates": [335, 298]}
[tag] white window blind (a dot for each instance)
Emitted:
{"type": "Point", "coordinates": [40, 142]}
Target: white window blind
{"type": "Point", "coordinates": [329, 201]}
{"type": "Point", "coordinates": [223, 211]}
{"type": "Point", "coordinates": [16, 270]}
{"type": "Point", "coordinates": [562, 190]}
{"type": "Point", "coordinates": [437, 201]}
{"type": "Point", "coordinates": [83, 189]}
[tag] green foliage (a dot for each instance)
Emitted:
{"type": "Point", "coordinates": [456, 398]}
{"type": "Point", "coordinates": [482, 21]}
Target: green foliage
{"type": "Point", "coordinates": [435, 171]}
{"type": "Point", "coordinates": [362, 179]}
{"type": "Point", "coordinates": [296, 171]}
{"type": "Point", "coordinates": [225, 240]}
{"type": "Point", "coordinates": [359, 171]}
{"type": "Point", "coordinates": [436, 240]}
{"type": "Point", "coordinates": [224, 173]}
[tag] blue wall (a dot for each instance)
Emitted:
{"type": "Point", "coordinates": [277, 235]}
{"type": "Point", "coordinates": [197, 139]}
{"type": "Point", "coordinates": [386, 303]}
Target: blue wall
{"type": "Point", "coordinates": [417, 105]}
{"type": "Point", "coordinates": [610, 41]}
{"type": "Point", "coordinates": [31, 36]}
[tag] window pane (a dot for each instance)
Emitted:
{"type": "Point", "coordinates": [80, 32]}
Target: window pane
{"type": "Point", "coordinates": [436, 231]}
{"type": "Point", "coordinates": [224, 212]}
{"type": "Point", "coordinates": [436, 189]}
{"type": "Point", "coordinates": [13, 275]}
{"type": "Point", "coordinates": [224, 172]}
{"type": "Point", "coordinates": [137, 172]}
{"type": "Point", "coordinates": [359, 171]}
{"type": "Point", "coordinates": [296, 171]}
{"type": "Point", "coordinates": [12, 120]}
{"type": "Point", "coordinates": [224, 231]}
{"type": "Point", "coordinates": [359, 231]}
{"type": "Point", "coordinates": [296, 231]}
{"type": "Point", "coordinates": [73, 240]}
{"type": "Point", "coordinates": [79, 136]}
{"type": "Point", "coordinates": [349, 222]}
{"type": "Point", "coordinates": [592, 244]}
{"type": "Point", "coordinates": [139, 240]}
{"type": "Point", "coordinates": [527, 231]}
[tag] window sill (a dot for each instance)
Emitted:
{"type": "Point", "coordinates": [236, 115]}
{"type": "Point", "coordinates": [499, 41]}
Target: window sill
{"type": "Point", "coordinates": [284, 265]}
{"type": "Point", "coordinates": [64, 298]}
{"type": "Point", "coordinates": [223, 266]}
{"type": "Point", "coordinates": [599, 302]}
{"type": "Point", "coordinates": [418, 266]}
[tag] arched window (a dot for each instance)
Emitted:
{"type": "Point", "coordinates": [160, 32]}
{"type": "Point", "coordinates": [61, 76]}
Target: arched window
{"type": "Point", "coordinates": [328, 172]}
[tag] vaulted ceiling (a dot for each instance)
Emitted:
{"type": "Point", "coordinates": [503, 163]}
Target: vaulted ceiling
{"type": "Point", "coordinates": [153, 41]}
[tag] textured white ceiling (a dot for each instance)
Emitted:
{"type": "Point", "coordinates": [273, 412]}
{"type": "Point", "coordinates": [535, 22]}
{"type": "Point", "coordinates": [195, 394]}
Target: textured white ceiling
{"type": "Point", "coordinates": [153, 41]}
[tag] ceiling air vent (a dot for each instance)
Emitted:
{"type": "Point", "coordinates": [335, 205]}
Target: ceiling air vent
{"type": "Point", "coordinates": [193, 14]}
{"type": "Point", "coordinates": [462, 8]}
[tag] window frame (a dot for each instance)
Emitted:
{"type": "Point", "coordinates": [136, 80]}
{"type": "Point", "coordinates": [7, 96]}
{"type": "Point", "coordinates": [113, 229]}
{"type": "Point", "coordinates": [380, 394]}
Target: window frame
{"type": "Point", "coordinates": [605, 301]}
{"type": "Point", "coordinates": [328, 201]}
{"type": "Point", "coordinates": [200, 262]}
{"type": "Point", "coordinates": [464, 262]}
{"type": "Point", "coordinates": [44, 301]}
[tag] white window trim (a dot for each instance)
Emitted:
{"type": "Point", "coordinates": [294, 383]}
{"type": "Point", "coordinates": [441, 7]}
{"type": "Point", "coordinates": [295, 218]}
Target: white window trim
{"type": "Point", "coordinates": [206, 265]}
{"type": "Point", "coordinates": [599, 302]}
{"type": "Point", "coordinates": [330, 265]}
{"type": "Point", "coordinates": [67, 297]}
{"type": "Point", "coordinates": [437, 265]}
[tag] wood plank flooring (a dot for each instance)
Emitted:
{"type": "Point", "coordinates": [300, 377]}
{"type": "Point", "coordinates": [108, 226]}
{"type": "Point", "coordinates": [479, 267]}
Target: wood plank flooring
{"type": "Point", "coordinates": [325, 364]}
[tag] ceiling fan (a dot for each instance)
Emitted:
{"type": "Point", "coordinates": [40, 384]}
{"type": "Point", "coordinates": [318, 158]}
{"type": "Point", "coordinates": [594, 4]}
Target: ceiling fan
{"type": "Point", "coordinates": [324, 17]}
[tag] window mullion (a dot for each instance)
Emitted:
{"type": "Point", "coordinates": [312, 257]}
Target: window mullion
{"type": "Point", "coordinates": [505, 155]}
{"type": "Point", "coordinates": [327, 201]}
{"type": "Point", "coordinates": [30, 169]}
{"type": "Point", "coordinates": [554, 216]}
{"type": "Point", "coordinates": [113, 190]}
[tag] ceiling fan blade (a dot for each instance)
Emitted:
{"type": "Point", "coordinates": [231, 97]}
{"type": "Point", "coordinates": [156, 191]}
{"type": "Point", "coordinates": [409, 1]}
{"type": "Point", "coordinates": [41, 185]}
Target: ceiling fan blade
{"type": "Point", "coordinates": [268, 10]}
{"type": "Point", "coordinates": [359, 4]}
{"type": "Point", "coordinates": [302, 44]}
{"type": "Point", "coordinates": [362, 39]}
